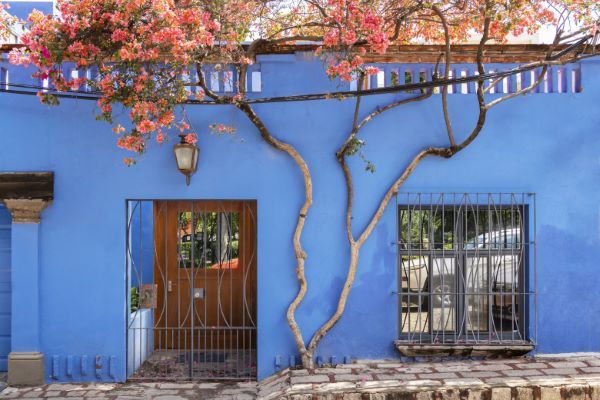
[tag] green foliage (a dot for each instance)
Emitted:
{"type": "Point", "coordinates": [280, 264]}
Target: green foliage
{"type": "Point", "coordinates": [424, 229]}
{"type": "Point", "coordinates": [355, 148]}
{"type": "Point", "coordinates": [48, 99]}
{"type": "Point", "coordinates": [395, 79]}
{"type": "Point", "coordinates": [135, 299]}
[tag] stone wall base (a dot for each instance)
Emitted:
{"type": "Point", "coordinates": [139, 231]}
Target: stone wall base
{"type": "Point", "coordinates": [26, 369]}
{"type": "Point", "coordinates": [467, 350]}
{"type": "Point", "coordinates": [569, 392]}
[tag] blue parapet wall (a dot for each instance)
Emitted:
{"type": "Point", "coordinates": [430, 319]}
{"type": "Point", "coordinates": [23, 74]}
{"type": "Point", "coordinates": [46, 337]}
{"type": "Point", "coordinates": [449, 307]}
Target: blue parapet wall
{"type": "Point", "coordinates": [545, 143]}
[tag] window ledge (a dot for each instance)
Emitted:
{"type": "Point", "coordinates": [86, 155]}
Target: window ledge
{"type": "Point", "coordinates": [464, 350]}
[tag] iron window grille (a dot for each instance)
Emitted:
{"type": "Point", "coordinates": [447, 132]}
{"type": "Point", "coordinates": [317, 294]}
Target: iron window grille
{"type": "Point", "coordinates": [464, 268]}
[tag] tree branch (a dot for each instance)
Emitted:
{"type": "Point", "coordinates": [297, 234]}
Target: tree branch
{"type": "Point", "coordinates": [435, 151]}
{"type": "Point", "coordinates": [355, 245]}
{"type": "Point", "coordinates": [341, 155]}
{"type": "Point", "coordinates": [447, 64]}
{"type": "Point", "coordinates": [207, 91]}
{"type": "Point", "coordinates": [535, 84]}
{"type": "Point", "coordinates": [398, 103]}
{"type": "Point", "coordinates": [300, 254]}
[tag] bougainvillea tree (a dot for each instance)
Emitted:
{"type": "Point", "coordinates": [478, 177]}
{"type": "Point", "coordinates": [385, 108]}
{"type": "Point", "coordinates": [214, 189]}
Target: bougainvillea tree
{"type": "Point", "coordinates": [143, 52]}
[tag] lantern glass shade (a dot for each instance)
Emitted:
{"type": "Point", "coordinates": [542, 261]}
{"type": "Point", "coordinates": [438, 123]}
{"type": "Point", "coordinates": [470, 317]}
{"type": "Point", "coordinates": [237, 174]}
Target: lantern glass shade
{"type": "Point", "coordinates": [187, 157]}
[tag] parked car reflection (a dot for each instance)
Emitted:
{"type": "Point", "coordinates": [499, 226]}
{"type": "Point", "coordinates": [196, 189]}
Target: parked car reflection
{"type": "Point", "coordinates": [483, 279]}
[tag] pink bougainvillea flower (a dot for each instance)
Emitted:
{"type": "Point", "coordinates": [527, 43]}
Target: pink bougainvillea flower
{"type": "Point", "coordinates": [220, 128]}
{"type": "Point", "coordinates": [191, 138]}
{"type": "Point", "coordinates": [118, 129]}
{"type": "Point", "coordinates": [45, 52]}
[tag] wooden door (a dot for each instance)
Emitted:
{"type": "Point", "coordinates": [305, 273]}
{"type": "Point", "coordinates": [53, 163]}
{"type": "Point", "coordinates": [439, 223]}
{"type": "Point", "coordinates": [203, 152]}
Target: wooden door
{"type": "Point", "coordinates": [205, 272]}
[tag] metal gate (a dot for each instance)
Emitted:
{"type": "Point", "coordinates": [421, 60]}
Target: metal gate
{"type": "Point", "coordinates": [191, 289]}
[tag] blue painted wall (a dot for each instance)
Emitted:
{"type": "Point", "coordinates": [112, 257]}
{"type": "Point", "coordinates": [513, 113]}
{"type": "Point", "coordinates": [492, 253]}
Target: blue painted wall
{"type": "Point", "coordinates": [5, 273]}
{"type": "Point", "coordinates": [543, 143]}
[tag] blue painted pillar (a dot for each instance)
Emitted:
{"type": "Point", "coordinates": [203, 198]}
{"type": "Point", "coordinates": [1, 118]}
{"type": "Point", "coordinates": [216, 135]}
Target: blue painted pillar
{"type": "Point", "coordinates": [25, 288]}
{"type": "Point", "coordinates": [25, 361]}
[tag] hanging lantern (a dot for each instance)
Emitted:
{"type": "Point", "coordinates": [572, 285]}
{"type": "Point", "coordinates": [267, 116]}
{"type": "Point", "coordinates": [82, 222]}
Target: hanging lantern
{"type": "Point", "coordinates": [186, 155]}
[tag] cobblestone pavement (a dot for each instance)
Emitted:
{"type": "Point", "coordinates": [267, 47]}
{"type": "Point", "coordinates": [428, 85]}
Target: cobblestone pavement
{"type": "Point", "coordinates": [131, 391]}
{"type": "Point", "coordinates": [573, 377]}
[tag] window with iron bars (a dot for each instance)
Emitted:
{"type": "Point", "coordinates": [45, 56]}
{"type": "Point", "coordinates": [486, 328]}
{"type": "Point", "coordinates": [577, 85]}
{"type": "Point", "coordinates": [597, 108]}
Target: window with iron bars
{"type": "Point", "coordinates": [464, 275]}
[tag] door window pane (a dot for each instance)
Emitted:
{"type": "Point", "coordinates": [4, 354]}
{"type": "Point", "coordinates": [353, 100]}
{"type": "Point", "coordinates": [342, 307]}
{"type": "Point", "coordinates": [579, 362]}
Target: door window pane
{"type": "Point", "coordinates": [210, 238]}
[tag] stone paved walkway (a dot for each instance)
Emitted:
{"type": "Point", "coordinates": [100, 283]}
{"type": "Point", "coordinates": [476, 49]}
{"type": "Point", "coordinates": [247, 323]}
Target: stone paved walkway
{"type": "Point", "coordinates": [572, 377]}
{"type": "Point", "coordinates": [132, 391]}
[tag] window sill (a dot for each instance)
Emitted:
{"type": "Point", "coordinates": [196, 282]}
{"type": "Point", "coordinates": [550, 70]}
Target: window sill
{"type": "Point", "coordinates": [463, 350]}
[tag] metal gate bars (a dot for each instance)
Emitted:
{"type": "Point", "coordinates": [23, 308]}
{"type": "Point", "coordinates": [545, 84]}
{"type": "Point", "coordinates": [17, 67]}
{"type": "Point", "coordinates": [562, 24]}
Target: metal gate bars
{"type": "Point", "coordinates": [191, 289]}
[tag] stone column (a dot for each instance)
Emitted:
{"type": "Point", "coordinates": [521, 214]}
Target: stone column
{"type": "Point", "coordinates": [25, 361]}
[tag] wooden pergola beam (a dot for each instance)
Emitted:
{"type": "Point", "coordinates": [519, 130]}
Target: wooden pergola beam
{"type": "Point", "coordinates": [27, 186]}
{"type": "Point", "coordinates": [426, 53]}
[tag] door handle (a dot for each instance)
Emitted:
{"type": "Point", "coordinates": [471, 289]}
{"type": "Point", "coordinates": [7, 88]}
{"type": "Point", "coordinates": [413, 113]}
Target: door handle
{"type": "Point", "coordinates": [169, 286]}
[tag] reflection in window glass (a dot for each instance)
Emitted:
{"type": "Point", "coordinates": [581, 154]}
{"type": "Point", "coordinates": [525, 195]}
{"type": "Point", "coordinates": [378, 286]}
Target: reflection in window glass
{"type": "Point", "coordinates": [497, 228]}
{"type": "Point", "coordinates": [505, 287]}
{"type": "Point", "coordinates": [208, 239]}
{"type": "Point", "coordinates": [427, 229]}
{"type": "Point", "coordinates": [415, 272]}
{"type": "Point", "coordinates": [443, 294]}
{"type": "Point", "coordinates": [476, 293]}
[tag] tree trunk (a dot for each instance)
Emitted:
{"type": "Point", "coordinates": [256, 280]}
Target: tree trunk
{"type": "Point", "coordinates": [306, 356]}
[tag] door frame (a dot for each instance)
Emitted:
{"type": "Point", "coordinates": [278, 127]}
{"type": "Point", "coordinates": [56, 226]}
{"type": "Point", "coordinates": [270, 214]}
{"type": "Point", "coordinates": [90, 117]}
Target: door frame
{"type": "Point", "coordinates": [130, 205]}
